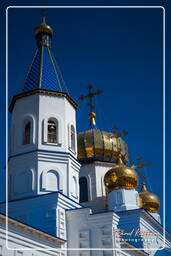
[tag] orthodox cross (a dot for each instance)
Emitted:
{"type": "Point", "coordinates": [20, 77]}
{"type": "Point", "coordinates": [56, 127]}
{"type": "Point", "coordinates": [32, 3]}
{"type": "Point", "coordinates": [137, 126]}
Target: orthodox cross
{"type": "Point", "coordinates": [116, 135]}
{"type": "Point", "coordinates": [140, 165]}
{"type": "Point", "coordinates": [90, 96]}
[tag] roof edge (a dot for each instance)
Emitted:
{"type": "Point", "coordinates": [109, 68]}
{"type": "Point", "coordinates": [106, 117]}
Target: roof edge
{"type": "Point", "coordinates": [31, 229]}
{"type": "Point", "coordinates": [42, 91]}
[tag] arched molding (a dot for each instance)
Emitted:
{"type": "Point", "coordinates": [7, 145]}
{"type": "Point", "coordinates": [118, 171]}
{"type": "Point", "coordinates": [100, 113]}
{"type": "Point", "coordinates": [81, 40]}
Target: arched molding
{"type": "Point", "coordinates": [75, 187]}
{"type": "Point", "coordinates": [58, 121]}
{"type": "Point", "coordinates": [70, 144]}
{"type": "Point", "coordinates": [24, 120]}
{"type": "Point", "coordinates": [84, 191]}
{"type": "Point", "coordinates": [89, 183]}
{"type": "Point", "coordinates": [44, 178]}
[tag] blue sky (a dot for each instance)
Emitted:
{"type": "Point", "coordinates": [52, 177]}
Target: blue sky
{"type": "Point", "coordinates": [118, 50]}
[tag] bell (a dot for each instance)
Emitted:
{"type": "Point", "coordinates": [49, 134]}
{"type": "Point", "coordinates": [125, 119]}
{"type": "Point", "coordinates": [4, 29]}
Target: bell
{"type": "Point", "coordinates": [52, 128]}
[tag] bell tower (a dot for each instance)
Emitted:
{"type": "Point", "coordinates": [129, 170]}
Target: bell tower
{"type": "Point", "coordinates": [43, 150]}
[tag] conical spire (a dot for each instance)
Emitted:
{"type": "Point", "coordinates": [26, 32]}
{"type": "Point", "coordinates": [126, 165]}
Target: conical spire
{"type": "Point", "coordinates": [44, 72]}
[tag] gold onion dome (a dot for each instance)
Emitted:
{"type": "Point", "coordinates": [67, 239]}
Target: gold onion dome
{"type": "Point", "coordinates": [120, 176]}
{"type": "Point", "coordinates": [148, 201]}
{"type": "Point", "coordinates": [44, 28]}
{"type": "Point", "coordinates": [96, 145]}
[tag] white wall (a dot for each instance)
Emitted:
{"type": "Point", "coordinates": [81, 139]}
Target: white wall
{"type": "Point", "coordinates": [95, 173]}
{"type": "Point", "coordinates": [20, 240]}
{"type": "Point", "coordinates": [123, 199]}
{"type": "Point", "coordinates": [39, 167]}
{"type": "Point", "coordinates": [91, 231]}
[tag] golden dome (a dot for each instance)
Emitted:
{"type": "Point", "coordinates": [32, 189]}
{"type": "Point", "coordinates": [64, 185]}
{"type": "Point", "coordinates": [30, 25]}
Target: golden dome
{"type": "Point", "coordinates": [44, 28]}
{"type": "Point", "coordinates": [148, 201]}
{"type": "Point", "coordinates": [121, 176]}
{"type": "Point", "coordinates": [97, 145]}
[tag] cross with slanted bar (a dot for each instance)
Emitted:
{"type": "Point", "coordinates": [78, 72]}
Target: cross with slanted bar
{"type": "Point", "coordinates": [90, 96]}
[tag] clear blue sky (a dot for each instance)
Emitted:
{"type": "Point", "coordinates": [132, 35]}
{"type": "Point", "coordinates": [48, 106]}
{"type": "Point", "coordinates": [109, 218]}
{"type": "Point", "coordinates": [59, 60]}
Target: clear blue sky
{"type": "Point", "coordinates": [118, 51]}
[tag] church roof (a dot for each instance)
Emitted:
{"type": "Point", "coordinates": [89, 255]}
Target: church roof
{"type": "Point", "coordinates": [44, 75]}
{"type": "Point", "coordinates": [30, 229]}
{"type": "Point", "coordinates": [44, 72]}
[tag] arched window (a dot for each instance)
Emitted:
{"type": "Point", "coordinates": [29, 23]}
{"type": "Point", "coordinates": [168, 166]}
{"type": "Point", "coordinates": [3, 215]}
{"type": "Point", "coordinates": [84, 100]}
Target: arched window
{"type": "Point", "coordinates": [27, 132]}
{"type": "Point", "coordinates": [83, 189]}
{"type": "Point", "coordinates": [72, 138]}
{"type": "Point", "coordinates": [52, 131]}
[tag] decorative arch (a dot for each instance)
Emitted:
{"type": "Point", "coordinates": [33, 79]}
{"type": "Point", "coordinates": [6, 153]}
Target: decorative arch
{"type": "Point", "coordinates": [72, 137]}
{"type": "Point", "coordinates": [51, 180]}
{"type": "Point", "coordinates": [75, 187]}
{"type": "Point", "coordinates": [83, 189]}
{"type": "Point", "coordinates": [28, 130]}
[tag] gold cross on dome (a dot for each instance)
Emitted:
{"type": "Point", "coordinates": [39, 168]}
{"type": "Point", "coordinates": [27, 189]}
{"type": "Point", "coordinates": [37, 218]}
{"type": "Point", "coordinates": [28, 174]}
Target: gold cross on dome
{"type": "Point", "coordinates": [118, 134]}
{"type": "Point", "coordinates": [90, 96]}
{"type": "Point", "coordinates": [140, 164]}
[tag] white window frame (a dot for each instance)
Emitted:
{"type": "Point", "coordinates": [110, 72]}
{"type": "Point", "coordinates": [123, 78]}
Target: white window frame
{"type": "Point", "coordinates": [58, 122]}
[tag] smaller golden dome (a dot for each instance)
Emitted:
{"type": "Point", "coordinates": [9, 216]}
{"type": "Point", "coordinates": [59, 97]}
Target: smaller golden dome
{"type": "Point", "coordinates": [121, 176]}
{"type": "Point", "coordinates": [148, 201]}
{"type": "Point", "coordinates": [44, 28]}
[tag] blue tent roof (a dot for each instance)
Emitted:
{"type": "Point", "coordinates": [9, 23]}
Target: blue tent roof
{"type": "Point", "coordinates": [43, 72]}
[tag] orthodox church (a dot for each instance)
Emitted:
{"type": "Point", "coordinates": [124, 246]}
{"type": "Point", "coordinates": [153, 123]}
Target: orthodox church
{"type": "Point", "coordinates": [70, 194]}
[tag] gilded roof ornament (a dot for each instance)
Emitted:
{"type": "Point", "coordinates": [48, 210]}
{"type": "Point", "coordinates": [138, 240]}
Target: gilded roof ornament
{"type": "Point", "coordinates": [140, 164]}
{"type": "Point", "coordinates": [148, 200]}
{"type": "Point", "coordinates": [89, 98]}
{"type": "Point", "coordinates": [120, 176]}
{"type": "Point", "coordinates": [43, 27]}
{"type": "Point", "coordinates": [116, 135]}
